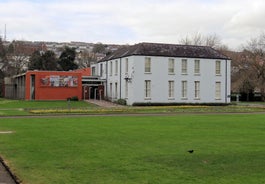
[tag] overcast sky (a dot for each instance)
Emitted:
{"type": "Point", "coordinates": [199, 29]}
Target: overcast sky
{"type": "Point", "coordinates": [132, 21]}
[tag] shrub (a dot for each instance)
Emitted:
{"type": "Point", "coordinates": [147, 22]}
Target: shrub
{"type": "Point", "coordinates": [73, 98]}
{"type": "Point", "coordinates": [121, 102]}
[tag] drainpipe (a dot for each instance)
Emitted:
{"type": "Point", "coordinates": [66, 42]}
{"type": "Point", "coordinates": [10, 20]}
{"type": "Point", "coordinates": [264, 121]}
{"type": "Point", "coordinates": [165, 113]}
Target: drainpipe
{"type": "Point", "coordinates": [107, 74]}
{"type": "Point", "coordinates": [120, 78]}
{"type": "Point", "coordinates": [225, 81]}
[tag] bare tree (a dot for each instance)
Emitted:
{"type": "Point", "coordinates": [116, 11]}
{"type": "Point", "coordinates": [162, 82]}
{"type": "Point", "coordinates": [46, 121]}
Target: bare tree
{"type": "Point", "coordinates": [255, 62]}
{"type": "Point", "coordinates": [211, 40]}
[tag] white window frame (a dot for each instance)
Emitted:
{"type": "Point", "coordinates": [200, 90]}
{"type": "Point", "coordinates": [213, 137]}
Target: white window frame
{"type": "Point", "coordinates": [218, 67]}
{"type": "Point", "coordinates": [218, 90]}
{"type": "Point", "coordinates": [184, 66]}
{"type": "Point", "coordinates": [197, 67]}
{"type": "Point", "coordinates": [147, 65]}
{"type": "Point", "coordinates": [171, 89]}
{"type": "Point", "coordinates": [184, 89]}
{"type": "Point", "coordinates": [197, 90]}
{"type": "Point", "coordinates": [147, 89]}
{"type": "Point", "coordinates": [171, 66]}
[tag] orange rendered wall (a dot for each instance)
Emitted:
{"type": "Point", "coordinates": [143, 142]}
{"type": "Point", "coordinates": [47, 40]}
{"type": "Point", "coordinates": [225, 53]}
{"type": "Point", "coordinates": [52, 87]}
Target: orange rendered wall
{"type": "Point", "coordinates": [50, 92]}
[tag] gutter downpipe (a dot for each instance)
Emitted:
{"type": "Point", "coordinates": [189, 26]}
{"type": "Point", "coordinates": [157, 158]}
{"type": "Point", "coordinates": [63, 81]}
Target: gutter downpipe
{"type": "Point", "coordinates": [120, 78]}
{"type": "Point", "coordinates": [107, 74]}
{"type": "Point", "coordinates": [226, 81]}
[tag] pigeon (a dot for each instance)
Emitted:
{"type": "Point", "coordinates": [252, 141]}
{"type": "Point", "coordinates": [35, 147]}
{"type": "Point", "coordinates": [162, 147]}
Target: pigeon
{"type": "Point", "coordinates": [191, 151]}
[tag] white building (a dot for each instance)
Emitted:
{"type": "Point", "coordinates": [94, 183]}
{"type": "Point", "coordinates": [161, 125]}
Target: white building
{"type": "Point", "coordinates": [165, 74]}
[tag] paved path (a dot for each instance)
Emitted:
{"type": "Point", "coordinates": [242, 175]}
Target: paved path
{"type": "Point", "coordinates": [103, 103]}
{"type": "Point", "coordinates": [5, 177]}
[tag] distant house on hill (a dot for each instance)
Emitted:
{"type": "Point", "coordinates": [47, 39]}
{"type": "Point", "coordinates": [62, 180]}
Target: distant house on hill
{"type": "Point", "coordinates": [151, 73]}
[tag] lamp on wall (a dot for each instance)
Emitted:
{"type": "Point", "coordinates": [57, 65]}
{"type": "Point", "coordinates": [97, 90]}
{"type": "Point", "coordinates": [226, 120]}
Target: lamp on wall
{"type": "Point", "coordinates": [128, 79]}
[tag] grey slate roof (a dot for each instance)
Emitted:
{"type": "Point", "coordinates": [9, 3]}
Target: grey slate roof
{"type": "Point", "coordinates": [167, 50]}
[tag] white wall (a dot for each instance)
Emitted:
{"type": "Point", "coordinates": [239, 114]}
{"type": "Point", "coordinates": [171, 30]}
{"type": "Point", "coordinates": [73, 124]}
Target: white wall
{"type": "Point", "coordinates": [159, 80]}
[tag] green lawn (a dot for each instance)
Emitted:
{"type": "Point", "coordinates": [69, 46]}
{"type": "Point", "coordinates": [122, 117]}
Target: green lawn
{"type": "Point", "coordinates": [22, 107]}
{"type": "Point", "coordinates": [229, 149]}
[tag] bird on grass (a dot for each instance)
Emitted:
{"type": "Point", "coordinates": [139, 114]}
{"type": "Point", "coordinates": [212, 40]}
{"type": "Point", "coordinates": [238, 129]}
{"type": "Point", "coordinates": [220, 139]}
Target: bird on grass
{"type": "Point", "coordinates": [191, 151]}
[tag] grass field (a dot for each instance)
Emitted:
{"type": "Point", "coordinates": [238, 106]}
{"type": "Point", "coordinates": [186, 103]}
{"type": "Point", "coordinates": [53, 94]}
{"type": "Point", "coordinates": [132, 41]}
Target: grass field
{"type": "Point", "coordinates": [134, 149]}
{"type": "Point", "coordinates": [20, 107]}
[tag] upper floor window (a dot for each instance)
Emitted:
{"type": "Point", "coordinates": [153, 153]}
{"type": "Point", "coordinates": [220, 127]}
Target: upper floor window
{"type": "Point", "coordinates": [171, 64]}
{"type": "Point", "coordinates": [126, 65]}
{"type": "Point", "coordinates": [93, 71]}
{"type": "Point", "coordinates": [196, 66]}
{"type": "Point", "coordinates": [111, 68]}
{"type": "Point", "coordinates": [184, 66]}
{"type": "Point", "coordinates": [116, 67]}
{"type": "Point", "coordinates": [147, 65]}
{"type": "Point", "coordinates": [101, 69]}
{"type": "Point", "coordinates": [218, 67]}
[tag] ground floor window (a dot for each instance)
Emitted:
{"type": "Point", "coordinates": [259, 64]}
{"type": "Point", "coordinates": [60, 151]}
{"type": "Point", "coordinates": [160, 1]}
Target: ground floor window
{"type": "Point", "coordinates": [147, 88]}
{"type": "Point", "coordinates": [171, 89]}
{"type": "Point", "coordinates": [110, 90]}
{"type": "Point", "coordinates": [116, 90]}
{"type": "Point", "coordinates": [197, 89]}
{"type": "Point", "coordinates": [217, 90]}
{"type": "Point", "coordinates": [126, 89]}
{"type": "Point", "coordinates": [183, 89]}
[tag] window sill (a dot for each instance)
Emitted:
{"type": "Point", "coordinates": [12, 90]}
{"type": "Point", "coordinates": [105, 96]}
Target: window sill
{"type": "Point", "coordinates": [196, 98]}
{"type": "Point", "coordinates": [219, 75]}
{"type": "Point", "coordinates": [171, 73]}
{"type": "Point", "coordinates": [171, 98]}
{"type": "Point", "coordinates": [184, 73]}
{"type": "Point", "coordinates": [218, 99]}
{"type": "Point", "coordinates": [184, 98]}
{"type": "Point", "coordinates": [147, 98]}
{"type": "Point", "coordinates": [197, 74]}
{"type": "Point", "coordinates": [147, 73]}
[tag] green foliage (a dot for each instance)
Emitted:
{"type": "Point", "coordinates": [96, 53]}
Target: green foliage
{"type": "Point", "coordinates": [43, 61]}
{"type": "Point", "coordinates": [136, 149]}
{"type": "Point", "coordinates": [67, 58]}
{"type": "Point", "coordinates": [73, 98]}
{"type": "Point", "coordinates": [121, 101]}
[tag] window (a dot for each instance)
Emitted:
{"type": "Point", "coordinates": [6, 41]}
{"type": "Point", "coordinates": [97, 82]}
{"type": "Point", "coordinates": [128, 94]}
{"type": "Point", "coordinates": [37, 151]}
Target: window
{"type": "Point", "coordinates": [110, 89]}
{"type": "Point", "coordinates": [171, 89]}
{"type": "Point", "coordinates": [126, 89]}
{"type": "Point", "coordinates": [126, 66]}
{"type": "Point", "coordinates": [171, 66]}
{"type": "Point", "coordinates": [218, 67]}
{"type": "Point", "coordinates": [116, 90]}
{"type": "Point", "coordinates": [197, 89]}
{"type": "Point", "coordinates": [217, 90]}
{"type": "Point", "coordinates": [101, 69]}
{"type": "Point", "coordinates": [184, 89]}
{"type": "Point", "coordinates": [184, 65]}
{"type": "Point", "coordinates": [116, 67]}
{"type": "Point", "coordinates": [93, 71]}
{"type": "Point", "coordinates": [147, 65]}
{"type": "Point", "coordinates": [197, 67]}
{"type": "Point", "coordinates": [110, 68]}
{"type": "Point", "coordinates": [147, 89]}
